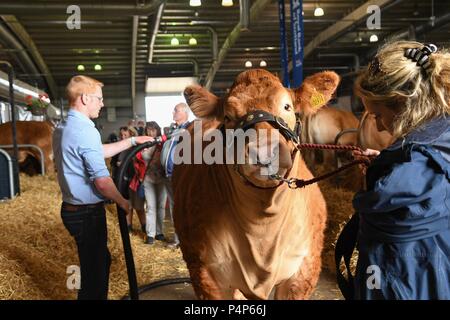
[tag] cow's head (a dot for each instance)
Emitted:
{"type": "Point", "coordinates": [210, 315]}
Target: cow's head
{"type": "Point", "coordinates": [256, 90]}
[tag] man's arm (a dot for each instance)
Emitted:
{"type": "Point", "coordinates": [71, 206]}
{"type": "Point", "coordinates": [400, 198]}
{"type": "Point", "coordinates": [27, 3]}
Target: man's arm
{"type": "Point", "coordinates": [107, 188]}
{"type": "Point", "coordinates": [111, 149]}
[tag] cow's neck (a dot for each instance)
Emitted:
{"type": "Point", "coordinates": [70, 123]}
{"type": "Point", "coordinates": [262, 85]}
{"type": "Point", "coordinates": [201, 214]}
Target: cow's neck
{"type": "Point", "coordinates": [260, 206]}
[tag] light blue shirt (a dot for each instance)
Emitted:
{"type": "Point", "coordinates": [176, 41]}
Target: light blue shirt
{"type": "Point", "coordinates": [79, 159]}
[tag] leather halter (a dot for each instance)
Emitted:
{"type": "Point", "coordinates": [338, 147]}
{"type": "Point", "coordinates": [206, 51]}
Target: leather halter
{"type": "Point", "coordinates": [256, 116]}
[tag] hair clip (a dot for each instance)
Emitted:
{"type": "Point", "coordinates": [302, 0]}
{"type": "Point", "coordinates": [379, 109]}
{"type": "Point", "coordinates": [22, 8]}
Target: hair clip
{"type": "Point", "coordinates": [375, 67]}
{"type": "Point", "coordinates": [421, 56]}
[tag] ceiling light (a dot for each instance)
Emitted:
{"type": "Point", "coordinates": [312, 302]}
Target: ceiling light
{"type": "Point", "coordinates": [227, 3]}
{"type": "Point", "coordinates": [318, 11]}
{"type": "Point", "coordinates": [192, 41]}
{"type": "Point", "coordinates": [263, 64]}
{"type": "Point", "coordinates": [98, 67]}
{"type": "Point", "coordinates": [373, 38]}
{"type": "Point", "coordinates": [174, 41]}
{"type": "Point", "coordinates": [248, 64]}
{"type": "Point", "coordinates": [80, 67]}
{"type": "Point", "coordinates": [195, 3]}
{"type": "Point", "coordinates": [247, 49]}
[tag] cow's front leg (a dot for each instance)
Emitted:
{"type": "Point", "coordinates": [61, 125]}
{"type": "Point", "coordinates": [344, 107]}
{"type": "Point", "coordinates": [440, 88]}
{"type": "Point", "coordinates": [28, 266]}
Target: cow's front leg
{"type": "Point", "coordinates": [301, 285]}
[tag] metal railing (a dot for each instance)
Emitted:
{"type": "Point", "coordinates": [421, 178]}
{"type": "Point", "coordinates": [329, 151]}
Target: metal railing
{"type": "Point", "coordinates": [10, 146]}
{"type": "Point", "coordinates": [11, 173]}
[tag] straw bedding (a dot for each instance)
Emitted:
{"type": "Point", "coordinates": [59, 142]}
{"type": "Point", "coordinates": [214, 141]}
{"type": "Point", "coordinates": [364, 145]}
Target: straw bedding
{"type": "Point", "coordinates": [36, 249]}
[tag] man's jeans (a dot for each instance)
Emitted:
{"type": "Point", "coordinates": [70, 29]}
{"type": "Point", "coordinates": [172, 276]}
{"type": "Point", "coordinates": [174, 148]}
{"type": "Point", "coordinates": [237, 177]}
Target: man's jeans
{"type": "Point", "coordinates": [88, 227]}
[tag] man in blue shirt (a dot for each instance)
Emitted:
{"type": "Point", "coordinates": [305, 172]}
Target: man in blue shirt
{"type": "Point", "coordinates": [180, 117]}
{"type": "Point", "coordinates": [85, 182]}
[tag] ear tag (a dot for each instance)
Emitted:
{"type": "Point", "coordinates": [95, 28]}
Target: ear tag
{"type": "Point", "coordinates": [317, 100]}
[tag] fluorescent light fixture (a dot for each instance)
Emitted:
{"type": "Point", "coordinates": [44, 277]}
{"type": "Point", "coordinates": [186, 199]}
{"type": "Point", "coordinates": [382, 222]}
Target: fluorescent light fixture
{"type": "Point", "coordinates": [195, 3]}
{"type": "Point", "coordinates": [192, 41]}
{"type": "Point", "coordinates": [227, 3]}
{"type": "Point", "coordinates": [248, 64]}
{"type": "Point", "coordinates": [98, 67]}
{"type": "Point", "coordinates": [80, 67]}
{"type": "Point", "coordinates": [174, 41]}
{"type": "Point", "coordinates": [318, 12]}
{"type": "Point", "coordinates": [373, 38]}
{"type": "Point", "coordinates": [263, 64]}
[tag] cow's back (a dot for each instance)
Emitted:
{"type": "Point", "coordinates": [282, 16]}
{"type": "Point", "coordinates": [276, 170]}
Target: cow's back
{"type": "Point", "coordinates": [38, 133]}
{"type": "Point", "coordinates": [328, 122]}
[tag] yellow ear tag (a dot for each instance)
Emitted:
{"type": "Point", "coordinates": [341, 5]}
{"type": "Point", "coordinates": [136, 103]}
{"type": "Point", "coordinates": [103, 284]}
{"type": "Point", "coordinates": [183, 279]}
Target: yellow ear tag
{"type": "Point", "coordinates": [317, 100]}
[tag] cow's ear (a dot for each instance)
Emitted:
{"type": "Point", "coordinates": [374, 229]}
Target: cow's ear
{"type": "Point", "coordinates": [315, 91]}
{"type": "Point", "coordinates": [203, 103]}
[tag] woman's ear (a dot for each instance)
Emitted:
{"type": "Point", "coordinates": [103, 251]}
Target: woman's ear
{"type": "Point", "coordinates": [315, 92]}
{"type": "Point", "coordinates": [203, 103]}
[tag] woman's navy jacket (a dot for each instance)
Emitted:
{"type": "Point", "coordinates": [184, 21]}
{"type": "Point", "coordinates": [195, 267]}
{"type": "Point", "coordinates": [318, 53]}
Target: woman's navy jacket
{"type": "Point", "coordinates": [404, 228]}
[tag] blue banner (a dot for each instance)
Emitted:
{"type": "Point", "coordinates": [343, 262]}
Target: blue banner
{"type": "Point", "coordinates": [283, 46]}
{"type": "Point", "coordinates": [297, 41]}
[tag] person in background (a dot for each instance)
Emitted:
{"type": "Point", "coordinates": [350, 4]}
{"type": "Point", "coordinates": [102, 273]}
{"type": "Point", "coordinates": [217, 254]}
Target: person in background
{"type": "Point", "coordinates": [132, 177]}
{"type": "Point", "coordinates": [141, 128]}
{"type": "Point", "coordinates": [85, 183]}
{"type": "Point", "coordinates": [155, 191]}
{"type": "Point", "coordinates": [180, 118]}
{"type": "Point", "coordinates": [401, 222]}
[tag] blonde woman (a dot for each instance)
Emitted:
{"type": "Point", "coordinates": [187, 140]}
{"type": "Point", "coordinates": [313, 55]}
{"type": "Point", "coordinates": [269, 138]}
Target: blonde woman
{"type": "Point", "coordinates": [404, 215]}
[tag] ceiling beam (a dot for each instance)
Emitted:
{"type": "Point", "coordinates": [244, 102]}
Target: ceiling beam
{"type": "Point", "coordinates": [25, 38]}
{"type": "Point", "coordinates": [256, 9]}
{"type": "Point", "coordinates": [341, 26]}
{"type": "Point", "coordinates": [33, 7]}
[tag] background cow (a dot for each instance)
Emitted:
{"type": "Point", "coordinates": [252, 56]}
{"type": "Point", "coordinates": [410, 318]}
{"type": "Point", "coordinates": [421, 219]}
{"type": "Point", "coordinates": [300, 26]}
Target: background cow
{"type": "Point", "coordinates": [323, 127]}
{"type": "Point", "coordinates": [241, 234]}
{"type": "Point", "coordinates": [30, 132]}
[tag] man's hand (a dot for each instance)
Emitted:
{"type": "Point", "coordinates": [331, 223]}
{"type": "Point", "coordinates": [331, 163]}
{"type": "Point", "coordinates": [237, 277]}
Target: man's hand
{"type": "Point", "coordinates": [144, 139]}
{"type": "Point", "coordinates": [126, 206]}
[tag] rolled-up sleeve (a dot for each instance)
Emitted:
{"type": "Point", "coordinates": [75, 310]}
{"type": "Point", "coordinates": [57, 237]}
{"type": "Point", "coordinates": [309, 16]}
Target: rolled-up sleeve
{"type": "Point", "coordinates": [91, 151]}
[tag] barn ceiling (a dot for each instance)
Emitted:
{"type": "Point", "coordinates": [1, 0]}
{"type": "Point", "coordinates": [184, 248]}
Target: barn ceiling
{"type": "Point", "coordinates": [122, 35]}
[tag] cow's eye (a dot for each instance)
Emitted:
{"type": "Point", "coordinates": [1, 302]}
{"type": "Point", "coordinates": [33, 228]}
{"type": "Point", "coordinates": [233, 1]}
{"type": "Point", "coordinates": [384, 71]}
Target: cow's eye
{"type": "Point", "coordinates": [287, 107]}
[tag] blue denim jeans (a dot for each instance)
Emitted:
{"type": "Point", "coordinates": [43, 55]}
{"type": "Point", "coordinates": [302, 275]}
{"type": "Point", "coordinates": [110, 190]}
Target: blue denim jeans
{"type": "Point", "coordinates": [88, 227]}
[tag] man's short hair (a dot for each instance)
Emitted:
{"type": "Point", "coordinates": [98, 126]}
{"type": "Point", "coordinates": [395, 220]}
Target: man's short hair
{"type": "Point", "coordinates": [183, 106]}
{"type": "Point", "coordinates": [79, 85]}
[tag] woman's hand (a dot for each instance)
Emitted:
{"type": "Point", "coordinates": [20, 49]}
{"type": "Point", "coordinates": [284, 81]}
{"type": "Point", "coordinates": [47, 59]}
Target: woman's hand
{"type": "Point", "coordinates": [367, 155]}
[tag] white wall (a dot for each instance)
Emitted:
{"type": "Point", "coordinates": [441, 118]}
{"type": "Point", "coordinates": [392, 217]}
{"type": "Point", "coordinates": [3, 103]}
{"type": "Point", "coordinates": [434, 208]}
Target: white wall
{"type": "Point", "coordinates": [159, 108]}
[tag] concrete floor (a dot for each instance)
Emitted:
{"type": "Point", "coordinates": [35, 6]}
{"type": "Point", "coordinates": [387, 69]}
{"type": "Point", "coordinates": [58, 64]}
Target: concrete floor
{"type": "Point", "coordinates": [326, 289]}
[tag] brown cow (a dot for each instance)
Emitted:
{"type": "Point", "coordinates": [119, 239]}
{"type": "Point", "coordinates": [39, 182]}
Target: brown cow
{"type": "Point", "coordinates": [368, 135]}
{"type": "Point", "coordinates": [31, 132]}
{"type": "Point", "coordinates": [241, 233]}
{"type": "Point", "coordinates": [323, 127]}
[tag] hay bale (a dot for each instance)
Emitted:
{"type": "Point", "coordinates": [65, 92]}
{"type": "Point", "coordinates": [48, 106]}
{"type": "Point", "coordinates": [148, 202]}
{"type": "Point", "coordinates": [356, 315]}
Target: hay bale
{"type": "Point", "coordinates": [37, 249]}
